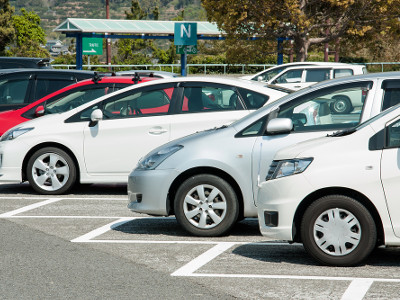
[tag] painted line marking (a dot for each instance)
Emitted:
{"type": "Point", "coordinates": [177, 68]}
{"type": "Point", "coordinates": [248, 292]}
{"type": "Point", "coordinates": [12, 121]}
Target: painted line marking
{"type": "Point", "coordinates": [357, 289]}
{"type": "Point", "coordinates": [203, 259]}
{"type": "Point", "coordinates": [29, 207]}
{"type": "Point", "coordinates": [66, 198]}
{"type": "Point", "coordinates": [99, 231]}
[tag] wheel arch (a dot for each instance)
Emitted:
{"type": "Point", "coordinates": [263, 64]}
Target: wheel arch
{"type": "Point", "coordinates": [204, 170]}
{"type": "Point", "coordinates": [49, 144]}
{"type": "Point", "coordinates": [337, 191]}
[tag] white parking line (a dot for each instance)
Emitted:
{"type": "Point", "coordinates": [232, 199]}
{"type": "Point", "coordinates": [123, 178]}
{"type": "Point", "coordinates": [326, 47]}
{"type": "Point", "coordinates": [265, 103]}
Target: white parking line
{"type": "Point", "coordinates": [99, 231]}
{"type": "Point", "coordinates": [29, 207]}
{"type": "Point", "coordinates": [206, 257]}
{"type": "Point", "coordinates": [357, 289]}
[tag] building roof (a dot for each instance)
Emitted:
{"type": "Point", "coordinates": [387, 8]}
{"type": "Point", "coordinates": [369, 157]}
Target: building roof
{"type": "Point", "coordinates": [131, 27]}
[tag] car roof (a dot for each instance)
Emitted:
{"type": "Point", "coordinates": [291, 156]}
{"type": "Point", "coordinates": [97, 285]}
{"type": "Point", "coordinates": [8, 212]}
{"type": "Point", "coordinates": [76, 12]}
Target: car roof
{"type": "Point", "coordinates": [33, 70]}
{"type": "Point", "coordinates": [150, 73]}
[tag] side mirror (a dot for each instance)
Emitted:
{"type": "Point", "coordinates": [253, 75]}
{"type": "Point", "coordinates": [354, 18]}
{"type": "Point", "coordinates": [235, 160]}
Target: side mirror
{"type": "Point", "coordinates": [259, 78]}
{"type": "Point", "coordinates": [279, 126]}
{"type": "Point", "coordinates": [39, 111]}
{"type": "Point", "coordinates": [95, 117]}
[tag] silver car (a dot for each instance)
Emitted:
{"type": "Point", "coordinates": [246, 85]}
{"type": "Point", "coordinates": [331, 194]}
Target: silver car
{"type": "Point", "coordinates": [210, 180]}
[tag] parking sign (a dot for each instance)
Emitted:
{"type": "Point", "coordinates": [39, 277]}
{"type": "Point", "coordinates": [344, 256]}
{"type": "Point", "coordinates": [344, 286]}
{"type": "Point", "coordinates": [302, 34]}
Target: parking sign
{"type": "Point", "coordinates": [185, 34]}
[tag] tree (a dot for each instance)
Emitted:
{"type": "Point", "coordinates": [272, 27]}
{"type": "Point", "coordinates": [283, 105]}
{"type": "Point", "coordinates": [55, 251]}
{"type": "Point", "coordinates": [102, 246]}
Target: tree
{"type": "Point", "coordinates": [29, 36]}
{"type": "Point", "coordinates": [307, 22]}
{"type": "Point", "coordinates": [7, 30]}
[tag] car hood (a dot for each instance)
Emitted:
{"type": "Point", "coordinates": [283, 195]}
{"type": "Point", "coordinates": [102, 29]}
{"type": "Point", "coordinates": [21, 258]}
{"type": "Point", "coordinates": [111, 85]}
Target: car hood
{"type": "Point", "coordinates": [194, 138]}
{"type": "Point", "coordinates": [297, 150]}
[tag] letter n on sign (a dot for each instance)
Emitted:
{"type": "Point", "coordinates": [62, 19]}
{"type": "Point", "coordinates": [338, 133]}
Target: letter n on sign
{"type": "Point", "coordinates": [185, 34]}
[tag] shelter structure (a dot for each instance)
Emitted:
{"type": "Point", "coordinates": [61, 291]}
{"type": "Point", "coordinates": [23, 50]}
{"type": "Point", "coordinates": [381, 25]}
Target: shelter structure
{"type": "Point", "coordinates": [133, 29]}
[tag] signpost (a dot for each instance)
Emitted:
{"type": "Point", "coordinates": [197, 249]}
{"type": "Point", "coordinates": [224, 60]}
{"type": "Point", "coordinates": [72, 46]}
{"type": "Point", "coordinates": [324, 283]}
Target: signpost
{"type": "Point", "coordinates": [185, 38]}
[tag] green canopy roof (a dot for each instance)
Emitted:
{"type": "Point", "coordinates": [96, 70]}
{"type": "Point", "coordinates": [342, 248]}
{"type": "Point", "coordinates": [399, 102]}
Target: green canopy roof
{"type": "Point", "coordinates": [131, 27]}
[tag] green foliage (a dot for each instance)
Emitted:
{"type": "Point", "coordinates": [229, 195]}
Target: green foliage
{"type": "Point", "coordinates": [307, 22]}
{"type": "Point", "coordinates": [29, 36]}
{"type": "Point", "coordinates": [7, 31]}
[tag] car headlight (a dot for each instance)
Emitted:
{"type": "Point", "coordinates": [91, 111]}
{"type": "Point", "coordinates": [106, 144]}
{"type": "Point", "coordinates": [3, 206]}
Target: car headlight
{"type": "Point", "coordinates": [287, 167]}
{"type": "Point", "coordinates": [14, 133]}
{"type": "Point", "coordinates": [153, 161]}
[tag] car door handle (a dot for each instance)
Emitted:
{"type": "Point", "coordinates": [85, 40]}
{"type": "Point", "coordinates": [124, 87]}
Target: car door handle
{"type": "Point", "coordinates": [157, 130]}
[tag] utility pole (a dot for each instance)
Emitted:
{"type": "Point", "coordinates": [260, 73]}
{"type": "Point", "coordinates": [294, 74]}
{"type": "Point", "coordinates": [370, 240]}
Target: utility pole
{"type": "Point", "coordinates": [108, 40]}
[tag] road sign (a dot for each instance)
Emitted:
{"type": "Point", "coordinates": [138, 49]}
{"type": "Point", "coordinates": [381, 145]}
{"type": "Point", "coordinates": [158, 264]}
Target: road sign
{"type": "Point", "coordinates": [185, 34]}
{"type": "Point", "coordinates": [186, 49]}
{"type": "Point", "coordinates": [92, 46]}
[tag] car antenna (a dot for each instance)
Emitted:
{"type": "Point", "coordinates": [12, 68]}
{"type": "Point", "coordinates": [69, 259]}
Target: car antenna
{"type": "Point", "coordinates": [96, 78]}
{"type": "Point", "coordinates": [136, 78]}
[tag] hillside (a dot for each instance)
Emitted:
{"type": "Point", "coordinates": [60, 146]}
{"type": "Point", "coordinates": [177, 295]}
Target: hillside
{"type": "Point", "coordinates": [53, 12]}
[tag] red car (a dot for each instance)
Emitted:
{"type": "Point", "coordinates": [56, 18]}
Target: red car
{"type": "Point", "coordinates": [69, 97]}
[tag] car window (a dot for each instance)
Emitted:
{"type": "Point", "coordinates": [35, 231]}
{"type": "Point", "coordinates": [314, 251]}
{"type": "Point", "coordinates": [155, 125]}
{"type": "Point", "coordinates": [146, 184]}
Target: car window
{"type": "Point", "coordinates": [47, 86]}
{"type": "Point", "coordinates": [332, 109]}
{"type": "Point", "coordinates": [342, 73]}
{"type": "Point", "coordinates": [210, 98]}
{"type": "Point", "coordinates": [317, 75]}
{"type": "Point", "coordinates": [74, 98]}
{"type": "Point", "coordinates": [269, 74]}
{"type": "Point", "coordinates": [138, 104]}
{"type": "Point", "coordinates": [253, 100]}
{"type": "Point", "coordinates": [391, 93]}
{"type": "Point", "coordinates": [291, 76]}
{"type": "Point", "coordinates": [13, 91]}
{"type": "Point", "coordinates": [393, 135]}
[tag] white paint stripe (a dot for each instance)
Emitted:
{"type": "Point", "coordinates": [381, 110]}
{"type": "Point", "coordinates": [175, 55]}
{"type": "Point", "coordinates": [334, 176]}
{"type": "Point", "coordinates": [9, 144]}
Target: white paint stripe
{"type": "Point", "coordinates": [65, 217]}
{"type": "Point", "coordinates": [29, 207]}
{"type": "Point", "coordinates": [203, 259]}
{"type": "Point", "coordinates": [291, 277]}
{"type": "Point", "coordinates": [101, 230]}
{"type": "Point", "coordinates": [64, 198]}
{"type": "Point", "coordinates": [357, 289]}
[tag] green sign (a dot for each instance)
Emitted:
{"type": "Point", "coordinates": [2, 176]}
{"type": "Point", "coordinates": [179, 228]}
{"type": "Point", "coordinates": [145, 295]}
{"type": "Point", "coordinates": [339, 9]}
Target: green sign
{"type": "Point", "coordinates": [92, 46]}
{"type": "Point", "coordinates": [185, 34]}
{"type": "Point", "coordinates": [186, 49]}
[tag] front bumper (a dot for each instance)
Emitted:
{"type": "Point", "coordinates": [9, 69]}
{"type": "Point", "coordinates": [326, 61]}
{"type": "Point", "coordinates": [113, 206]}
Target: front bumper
{"type": "Point", "coordinates": [277, 202]}
{"type": "Point", "coordinates": [148, 191]}
{"type": "Point", "coordinates": [11, 158]}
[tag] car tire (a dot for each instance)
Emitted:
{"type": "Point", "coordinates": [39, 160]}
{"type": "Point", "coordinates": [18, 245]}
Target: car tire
{"type": "Point", "coordinates": [341, 105]}
{"type": "Point", "coordinates": [327, 220]}
{"type": "Point", "coordinates": [51, 171]}
{"type": "Point", "coordinates": [202, 216]}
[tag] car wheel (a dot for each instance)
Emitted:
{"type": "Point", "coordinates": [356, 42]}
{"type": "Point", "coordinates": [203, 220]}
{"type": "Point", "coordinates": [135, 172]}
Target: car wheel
{"type": "Point", "coordinates": [51, 171]}
{"type": "Point", "coordinates": [341, 105]}
{"type": "Point", "coordinates": [338, 230]}
{"type": "Point", "coordinates": [206, 205]}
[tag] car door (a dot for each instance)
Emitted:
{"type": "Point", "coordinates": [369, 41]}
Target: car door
{"type": "Point", "coordinates": [204, 105]}
{"type": "Point", "coordinates": [133, 123]}
{"type": "Point", "coordinates": [390, 173]}
{"type": "Point", "coordinates": [291, 79]}
{"type": "Point", "coordinates": [312, 117]}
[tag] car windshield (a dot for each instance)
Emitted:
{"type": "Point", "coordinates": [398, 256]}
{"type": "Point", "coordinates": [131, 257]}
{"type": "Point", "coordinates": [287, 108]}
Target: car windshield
{"type": "Point", "coordinates": [269, 74]}
{"type": "Point", "coordinates": [74, 100]}
{"type": "Point", "coordinates": [381, 115]}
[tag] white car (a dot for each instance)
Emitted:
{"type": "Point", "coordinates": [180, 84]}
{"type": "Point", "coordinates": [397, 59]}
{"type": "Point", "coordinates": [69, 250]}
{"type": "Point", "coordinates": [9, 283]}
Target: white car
{"type": "Point", "coordinates": [338, 195]}
{"type": "Point", "coordinates": [296, 77]}
{"type": "Point", "coordinates": [102, 140]}
{"type": "Point", "coordinates": [209, 180]}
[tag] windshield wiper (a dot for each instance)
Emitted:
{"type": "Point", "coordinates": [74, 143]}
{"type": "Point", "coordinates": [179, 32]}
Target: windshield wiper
{"type": "Point", "coordinates": [342, 132]}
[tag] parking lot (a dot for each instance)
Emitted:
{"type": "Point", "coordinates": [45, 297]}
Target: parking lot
{"type": "Point", "coordinates": [242, 265]}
